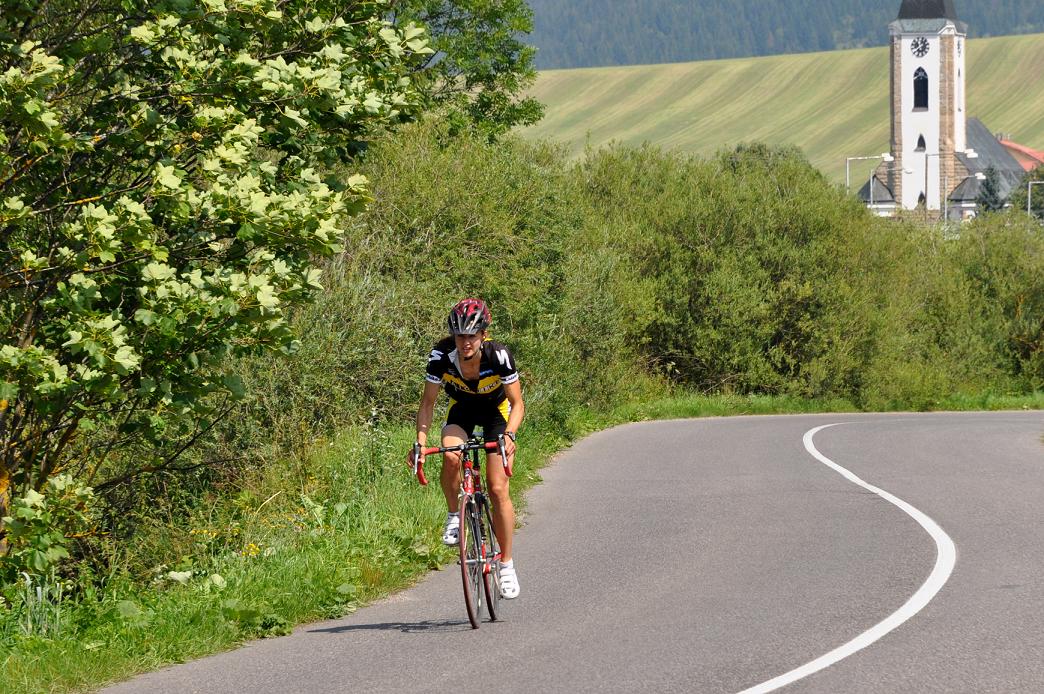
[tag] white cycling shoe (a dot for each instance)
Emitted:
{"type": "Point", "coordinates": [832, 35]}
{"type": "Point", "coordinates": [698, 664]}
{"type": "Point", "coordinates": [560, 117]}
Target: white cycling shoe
{"type": "Point", "coordinates": [451, 533]}
{"type": "Point", "coordinates": [508, 582]}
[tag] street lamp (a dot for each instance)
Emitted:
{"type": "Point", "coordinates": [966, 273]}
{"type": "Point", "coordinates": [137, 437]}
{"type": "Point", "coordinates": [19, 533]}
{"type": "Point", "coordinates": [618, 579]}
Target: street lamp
{"type": "Point", "coordinates": [970, 153]}
{"type": "Point", "coordinates": [1029, 195]}
{"type": "Point", "coordinates": [848, 178]}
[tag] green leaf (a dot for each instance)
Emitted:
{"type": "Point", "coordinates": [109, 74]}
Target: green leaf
{"type": "Point", "coordinates": [234, 385]}
{"type": "Point", "coordinates": [143, 34]}
{"type": "Point", "coordinates": [127, 358]}
{"type": "Point", "coordinates": [167, 177]}
{"type": "Point", "coordinates": [157, 272]}
{"type": "Point", "coordinates": [145, 317]}
{"type": "Point", "coordinates": [34, 499]}
{"type": "Point", "coordinates": [38, 561]}
{"type": "Point", "coordinates": [56, 553]}
{"type": "Point", "coordinates": [128, 610]}
{"type": "Point", "coordinates": [266, 297]}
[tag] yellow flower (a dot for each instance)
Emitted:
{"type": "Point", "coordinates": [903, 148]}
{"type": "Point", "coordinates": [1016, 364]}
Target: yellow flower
{"type": "Point", "coordinates": [3, 405]}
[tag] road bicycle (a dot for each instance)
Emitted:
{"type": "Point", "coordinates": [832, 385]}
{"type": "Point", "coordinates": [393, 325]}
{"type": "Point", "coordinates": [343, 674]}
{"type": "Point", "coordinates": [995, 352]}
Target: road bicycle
{"type": "Point", "coordinates": [479, 550]}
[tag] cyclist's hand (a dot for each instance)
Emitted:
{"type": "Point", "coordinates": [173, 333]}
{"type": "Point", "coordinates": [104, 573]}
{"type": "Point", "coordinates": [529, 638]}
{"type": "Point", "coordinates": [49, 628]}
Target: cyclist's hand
{"type": "Point", "coordinates": [509, 448]}
{"type": "Point", "coordinates": [412, 457]}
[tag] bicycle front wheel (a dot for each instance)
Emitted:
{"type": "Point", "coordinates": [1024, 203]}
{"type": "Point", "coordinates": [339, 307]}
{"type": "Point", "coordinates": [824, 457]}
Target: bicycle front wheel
{"type": "Point", "coordinates": [491, 563]}
{"type": "Point", "coordinates": [471, 559]}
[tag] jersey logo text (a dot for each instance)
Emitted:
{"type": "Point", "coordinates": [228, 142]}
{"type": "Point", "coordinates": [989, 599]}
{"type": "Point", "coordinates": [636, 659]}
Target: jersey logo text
{"type": "Point", "coordinates": [503, 358]}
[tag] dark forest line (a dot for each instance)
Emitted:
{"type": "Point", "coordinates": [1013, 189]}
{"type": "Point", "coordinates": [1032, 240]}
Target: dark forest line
{"type": "Point", "coordinates": [588, 33]}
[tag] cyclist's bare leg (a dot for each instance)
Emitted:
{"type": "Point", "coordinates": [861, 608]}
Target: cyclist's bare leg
{"type": "Point", "coordinates": [452, 435]}
{"type": "Point", "coordinates": [503, 510]}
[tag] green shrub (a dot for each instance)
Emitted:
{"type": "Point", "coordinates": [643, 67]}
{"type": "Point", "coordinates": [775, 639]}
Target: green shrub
{"type": "Point", "coordinates": [452, 216]}
{"type": "Point", "coordinates": [1002, 258]}
{"type": "Point", "coordinates": [38, 529]}
{"type": "Point", "coordinates": [760, 277]}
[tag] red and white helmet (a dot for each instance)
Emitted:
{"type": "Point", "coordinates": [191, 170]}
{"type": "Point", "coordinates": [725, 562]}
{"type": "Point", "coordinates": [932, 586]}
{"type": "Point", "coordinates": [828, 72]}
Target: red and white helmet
{"type": "Point", "coordinates": [469, 317]}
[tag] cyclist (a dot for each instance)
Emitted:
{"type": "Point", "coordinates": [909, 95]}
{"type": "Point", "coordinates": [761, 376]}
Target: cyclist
{"type": "Point", "coordinates": [481, 380]}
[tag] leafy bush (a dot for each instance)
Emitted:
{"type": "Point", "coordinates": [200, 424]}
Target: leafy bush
{"type": "Point", "coordinates": [40, 525]}
{"type": "Point", "coordinates": [745, 273]}
{"type": "Point", "coordinates": [163, 202]}
{"type": "Point", "coordinates": [1002, 258]}
{"type": "Point", "coordinates": [735, 253]}
{"type": "Point", "coordinates": [453, 216]}
{"type": "Point", "coordinates": [760, 277]}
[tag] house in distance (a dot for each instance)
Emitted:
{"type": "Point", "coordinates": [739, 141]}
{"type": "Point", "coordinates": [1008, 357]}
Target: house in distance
{"type": "Point", "coordinates": [939, 156]}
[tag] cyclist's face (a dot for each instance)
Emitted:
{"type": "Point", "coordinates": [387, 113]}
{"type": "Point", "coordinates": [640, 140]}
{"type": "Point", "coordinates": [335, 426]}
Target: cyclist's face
{"type": "Point", "coordinates": [468, 345]}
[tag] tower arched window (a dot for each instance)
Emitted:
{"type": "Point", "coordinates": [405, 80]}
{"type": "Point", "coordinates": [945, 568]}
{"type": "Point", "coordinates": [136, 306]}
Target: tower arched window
{"type": "Point", "coordinates": [920, 89]}
{"type": "Point", "coordinates": [921, 146]}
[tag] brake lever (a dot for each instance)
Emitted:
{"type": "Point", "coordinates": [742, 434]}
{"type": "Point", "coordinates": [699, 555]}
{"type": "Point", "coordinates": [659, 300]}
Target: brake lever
{"type": "Point", "coordinates": [502, 450]}
{"type": "Point", "coordinates": [418, 464]}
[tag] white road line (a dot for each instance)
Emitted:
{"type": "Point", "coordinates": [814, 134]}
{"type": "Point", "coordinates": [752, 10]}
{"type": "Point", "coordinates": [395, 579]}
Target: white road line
{"type": "Point", "coordinates": [946, 558]}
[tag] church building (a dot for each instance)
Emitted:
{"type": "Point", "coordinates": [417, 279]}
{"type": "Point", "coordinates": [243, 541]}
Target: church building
{"type": "Point", "coordinates": [939, 154]}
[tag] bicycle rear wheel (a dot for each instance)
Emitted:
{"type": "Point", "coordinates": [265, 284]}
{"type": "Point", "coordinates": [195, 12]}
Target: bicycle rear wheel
{"type": "Point", "coordinates": [490, 577]}
{"type": "Point", "coordinates": [471, 560]}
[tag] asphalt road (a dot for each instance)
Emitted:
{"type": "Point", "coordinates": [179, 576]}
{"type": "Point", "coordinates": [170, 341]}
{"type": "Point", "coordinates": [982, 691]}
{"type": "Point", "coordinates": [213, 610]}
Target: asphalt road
{"type": "Point", "coordinates": [713, 556]}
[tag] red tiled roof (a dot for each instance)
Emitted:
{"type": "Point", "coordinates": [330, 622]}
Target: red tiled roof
{"type": "Point", "coordinates": [1029, 158]}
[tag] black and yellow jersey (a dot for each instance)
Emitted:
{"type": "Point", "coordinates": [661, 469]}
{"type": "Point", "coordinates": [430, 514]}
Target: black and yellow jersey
{"type": "Point", "coordinates": [496, 370]}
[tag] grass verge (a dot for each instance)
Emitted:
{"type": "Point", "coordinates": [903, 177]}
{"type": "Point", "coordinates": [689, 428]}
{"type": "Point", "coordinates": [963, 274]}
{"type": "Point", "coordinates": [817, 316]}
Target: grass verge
{"type": "Point", "coordinates": [313, 539]}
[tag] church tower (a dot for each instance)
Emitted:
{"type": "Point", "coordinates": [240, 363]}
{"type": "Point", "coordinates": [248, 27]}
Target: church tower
{"type": "Point", "coordinates": [929, 123]}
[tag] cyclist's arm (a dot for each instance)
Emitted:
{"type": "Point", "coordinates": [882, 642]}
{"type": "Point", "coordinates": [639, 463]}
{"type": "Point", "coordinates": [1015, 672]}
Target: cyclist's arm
{"type": "Point", "coordinates": [426, 411]}
{"type": "Point", "coordinates": [513, 391]}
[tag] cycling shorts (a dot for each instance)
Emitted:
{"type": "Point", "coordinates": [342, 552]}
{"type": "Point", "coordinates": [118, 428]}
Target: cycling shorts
{"type": "Point", "coordinates": [491, 418]}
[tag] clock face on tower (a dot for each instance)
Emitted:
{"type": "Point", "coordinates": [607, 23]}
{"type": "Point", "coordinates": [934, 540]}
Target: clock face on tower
{"type": "Point", "coordinates": [920, 47]}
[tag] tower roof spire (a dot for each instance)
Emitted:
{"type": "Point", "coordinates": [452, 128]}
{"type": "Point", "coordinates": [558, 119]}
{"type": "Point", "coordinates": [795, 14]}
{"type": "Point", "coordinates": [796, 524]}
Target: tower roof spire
{"type": "Point", "coordinates": [928, 9]}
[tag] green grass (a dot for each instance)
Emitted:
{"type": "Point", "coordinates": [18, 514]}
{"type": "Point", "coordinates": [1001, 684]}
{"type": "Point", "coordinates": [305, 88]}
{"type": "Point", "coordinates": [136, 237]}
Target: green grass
{"type": "Point", "coordinates": [831, 105]}
{"type": "Point", "coordinates": [991, 402]}
{"type": "Point", "coordinates": [312, 539]}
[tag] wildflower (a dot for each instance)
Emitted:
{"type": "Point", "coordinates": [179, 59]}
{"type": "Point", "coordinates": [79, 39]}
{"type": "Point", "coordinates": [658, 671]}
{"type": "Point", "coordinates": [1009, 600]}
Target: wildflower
{"type": "Point", "coordinates": [251, 550]}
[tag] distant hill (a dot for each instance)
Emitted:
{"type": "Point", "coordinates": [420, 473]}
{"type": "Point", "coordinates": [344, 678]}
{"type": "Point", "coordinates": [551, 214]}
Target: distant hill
{"type": "Point", "coordinates": [832, 105]}
{"type": "Point", "coordinates": [588, 33]}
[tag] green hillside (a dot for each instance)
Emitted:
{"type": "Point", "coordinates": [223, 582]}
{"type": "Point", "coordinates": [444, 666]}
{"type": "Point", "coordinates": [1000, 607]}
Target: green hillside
{"type": "Point", "coordinates": [832, 105]}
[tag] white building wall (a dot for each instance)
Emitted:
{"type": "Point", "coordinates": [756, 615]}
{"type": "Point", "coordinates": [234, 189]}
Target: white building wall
{"type": "Point", "coordinates": [921, 123]}
{"type": "Point", "coordinates": [960, 129]}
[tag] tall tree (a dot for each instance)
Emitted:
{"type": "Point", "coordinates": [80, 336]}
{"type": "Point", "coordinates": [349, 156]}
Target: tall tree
{"type": "Point", "coordinates": [990, 199]}
{"type": "Point", "coordinates": [162, 200]}
{"type": "Point", "coordinates": [1021, 196]}
{"type": "Point", "coordinates": [481, 68]}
